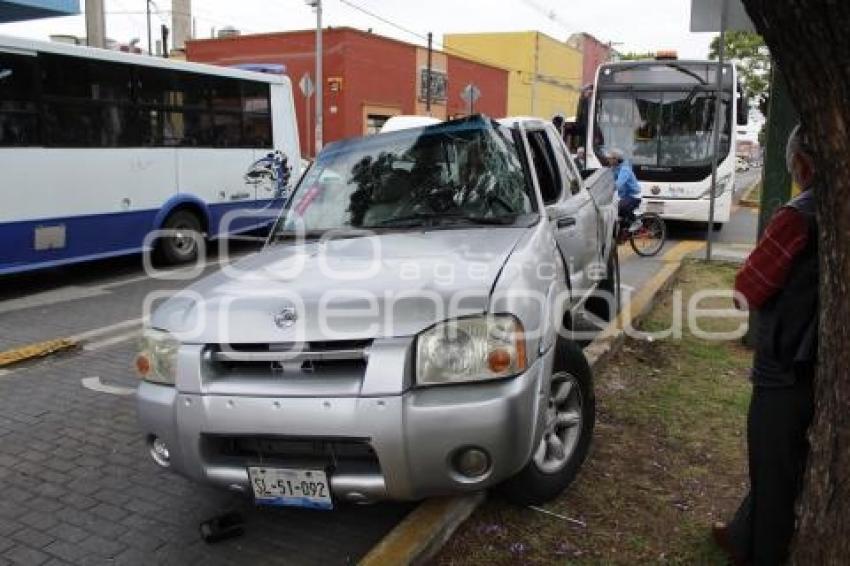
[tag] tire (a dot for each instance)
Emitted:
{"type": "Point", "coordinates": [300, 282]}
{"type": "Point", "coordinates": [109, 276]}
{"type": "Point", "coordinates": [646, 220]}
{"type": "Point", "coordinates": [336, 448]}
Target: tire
{"type": "Point", "coordinates": [538, 482]}
{"type": "Point", "coordinates": [600, 306]}
{"type": "Point", "coordinates": [173, 250]}
{"type": "Point", "coordinates": [649, 240]}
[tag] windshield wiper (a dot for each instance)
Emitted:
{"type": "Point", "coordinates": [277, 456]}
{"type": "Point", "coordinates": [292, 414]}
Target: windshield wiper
{"type": "Point", "coordinates": [338, 233]}
{"type": "Point", "coordinates": [432, 219]}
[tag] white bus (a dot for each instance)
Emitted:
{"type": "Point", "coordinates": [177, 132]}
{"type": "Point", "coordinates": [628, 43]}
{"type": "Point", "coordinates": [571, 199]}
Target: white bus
{"type": "Point", "coordinates": [660, 113]}
{"type": "Point", "coordinates": [99, 148]}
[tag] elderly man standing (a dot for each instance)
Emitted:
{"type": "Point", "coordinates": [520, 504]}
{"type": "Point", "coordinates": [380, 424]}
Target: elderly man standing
{"type": "Point", "coordinates": [780, 281]}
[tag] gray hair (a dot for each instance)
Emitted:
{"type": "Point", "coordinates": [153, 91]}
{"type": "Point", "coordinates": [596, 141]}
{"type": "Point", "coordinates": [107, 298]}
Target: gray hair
{"type": "Point", "coordinates": [616, 153]}
{"type": "Point", "coordinates": [798, 141]}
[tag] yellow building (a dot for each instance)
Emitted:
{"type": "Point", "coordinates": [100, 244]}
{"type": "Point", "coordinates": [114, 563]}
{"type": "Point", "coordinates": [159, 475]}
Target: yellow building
{"type": "Point", "coordinates": [545, 74]}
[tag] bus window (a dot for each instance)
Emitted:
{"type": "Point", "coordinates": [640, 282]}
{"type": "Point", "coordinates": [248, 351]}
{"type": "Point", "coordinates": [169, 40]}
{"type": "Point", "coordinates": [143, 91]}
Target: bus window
{"type": "Point", "coordinates": [18, 108]}
{"type": "Point", "coordinates": [82, 79]}
{"type": "Point", "coordinates": [257, 117]}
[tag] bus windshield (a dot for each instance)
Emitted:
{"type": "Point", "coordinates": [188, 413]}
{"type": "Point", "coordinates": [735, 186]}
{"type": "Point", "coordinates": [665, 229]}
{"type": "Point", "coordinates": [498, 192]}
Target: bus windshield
{"type": "Point", "coordinates": [660, 128]}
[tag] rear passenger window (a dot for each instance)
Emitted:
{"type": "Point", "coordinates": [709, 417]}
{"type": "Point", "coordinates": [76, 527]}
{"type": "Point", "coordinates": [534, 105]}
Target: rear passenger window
{"type": "Point", "coordinates": [545, 165]}
{"type": "Point", "coordinates": [565, 164]}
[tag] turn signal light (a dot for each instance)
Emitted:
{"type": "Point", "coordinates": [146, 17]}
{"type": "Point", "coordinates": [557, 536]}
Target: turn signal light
{"type": "Point", "coordinates": [143, 365]}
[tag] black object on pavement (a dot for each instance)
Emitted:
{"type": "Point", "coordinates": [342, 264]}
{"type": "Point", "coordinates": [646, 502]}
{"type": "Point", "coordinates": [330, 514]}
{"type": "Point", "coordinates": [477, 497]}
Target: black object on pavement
{"type": "Point", "coordinates": [222, 528]}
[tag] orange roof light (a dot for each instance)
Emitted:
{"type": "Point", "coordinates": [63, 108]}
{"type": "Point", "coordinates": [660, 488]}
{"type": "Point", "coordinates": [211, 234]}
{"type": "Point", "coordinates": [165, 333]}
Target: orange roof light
{"type": "Point", "coordinates": [666, 54]}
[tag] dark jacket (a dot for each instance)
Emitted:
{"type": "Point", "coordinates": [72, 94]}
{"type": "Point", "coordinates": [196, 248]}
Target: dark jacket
{"type": "Point", "coordinates": [787, 325]}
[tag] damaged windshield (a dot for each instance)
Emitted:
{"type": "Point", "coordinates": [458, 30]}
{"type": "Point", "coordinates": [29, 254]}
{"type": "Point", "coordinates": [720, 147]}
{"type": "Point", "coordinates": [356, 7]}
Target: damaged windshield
{"type": "Point", "coordinates": [463, 173]}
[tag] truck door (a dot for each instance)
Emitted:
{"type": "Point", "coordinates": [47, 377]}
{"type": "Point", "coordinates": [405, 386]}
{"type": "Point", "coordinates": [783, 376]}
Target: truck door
{"type": "Point", "coordinates": [570, 211]}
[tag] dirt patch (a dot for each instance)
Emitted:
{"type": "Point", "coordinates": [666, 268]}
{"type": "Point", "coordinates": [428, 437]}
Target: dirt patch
{"type": "Point", "coordinates": [668, 457]}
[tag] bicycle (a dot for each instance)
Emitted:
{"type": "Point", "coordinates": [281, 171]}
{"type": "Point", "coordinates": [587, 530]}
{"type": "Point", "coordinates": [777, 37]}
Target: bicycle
{"type": "Point", "coordinates": [646, 238]}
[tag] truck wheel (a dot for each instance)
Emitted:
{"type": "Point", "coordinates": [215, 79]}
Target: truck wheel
{"type": "Point", "coordinates": [184, 244]}
{"type": "Point", "coordinates": [607, 304]}
{"type": "Point", "coordinates": [570, 418]}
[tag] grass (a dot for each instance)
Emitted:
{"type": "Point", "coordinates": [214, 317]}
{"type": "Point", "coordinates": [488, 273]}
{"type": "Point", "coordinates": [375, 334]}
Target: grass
{"type": "Point", "coordinates": [668, 457]}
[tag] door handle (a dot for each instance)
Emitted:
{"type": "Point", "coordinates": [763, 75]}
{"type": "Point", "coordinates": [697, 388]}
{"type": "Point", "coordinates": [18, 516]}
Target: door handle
{"type": "Point", "coordinates": [566, 222]}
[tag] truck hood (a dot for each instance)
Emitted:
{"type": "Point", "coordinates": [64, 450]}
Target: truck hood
{"type": "Point", "coordinates": [386, 285]}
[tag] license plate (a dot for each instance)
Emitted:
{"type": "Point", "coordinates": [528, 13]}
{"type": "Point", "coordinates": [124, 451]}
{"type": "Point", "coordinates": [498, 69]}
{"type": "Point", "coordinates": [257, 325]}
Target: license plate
{"type": "Point", "coordinates": [656, 207]}
{"type": "Point", "coordinates": [290, 488]}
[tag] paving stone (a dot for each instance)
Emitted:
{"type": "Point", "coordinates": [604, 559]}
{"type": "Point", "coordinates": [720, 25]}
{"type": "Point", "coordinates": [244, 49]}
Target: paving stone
{"type": "Point", "coordinates": [102, 547]}
{"type": "Point", "coordinates": [68, 533]}
{"type": "Point", "coordinates": [26, 556]}
{"type": "Point", "coordinates": [78, 486]}
{"type": "Point", "coordinates": [66, 551]}
{"type": "Point", "coordinates": [32, 537]}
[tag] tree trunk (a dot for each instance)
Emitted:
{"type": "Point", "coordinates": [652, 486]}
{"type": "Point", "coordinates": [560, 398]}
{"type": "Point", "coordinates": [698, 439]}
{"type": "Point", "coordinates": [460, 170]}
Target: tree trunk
{"type": "Point", "coordinates": [808, 39]}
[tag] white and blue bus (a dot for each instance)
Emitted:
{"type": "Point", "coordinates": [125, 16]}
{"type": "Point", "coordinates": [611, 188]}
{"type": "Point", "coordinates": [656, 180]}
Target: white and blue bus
{"type": "Point", "coordinates": [661, 114]}
{"type": "Point", "coordinates": [100, 148]}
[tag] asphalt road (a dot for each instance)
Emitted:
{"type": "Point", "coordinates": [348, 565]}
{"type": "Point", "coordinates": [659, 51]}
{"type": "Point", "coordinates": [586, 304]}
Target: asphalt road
{"type": "Point", "coordinates": [78, 485]}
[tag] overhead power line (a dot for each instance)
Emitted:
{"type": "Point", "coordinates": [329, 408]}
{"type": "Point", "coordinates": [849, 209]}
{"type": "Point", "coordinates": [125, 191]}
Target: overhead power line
{"type": "Point", "coordinates": [548, 13]}
{"type": "Point", "coordinates": [557, 80]}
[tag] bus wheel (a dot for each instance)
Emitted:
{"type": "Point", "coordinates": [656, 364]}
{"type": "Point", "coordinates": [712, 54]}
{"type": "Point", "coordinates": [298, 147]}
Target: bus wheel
{"type": "Point", "coordinates": [184, 240]}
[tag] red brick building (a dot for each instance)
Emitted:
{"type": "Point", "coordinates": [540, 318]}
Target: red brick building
{"type": "Point", "coordinates": [594, 52]}
{"type": "Point", "coordinates": [368, 77]}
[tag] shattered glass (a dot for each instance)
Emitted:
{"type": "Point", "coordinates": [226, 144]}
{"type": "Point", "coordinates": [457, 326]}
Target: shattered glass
{"type": "Point", "coordinates": [453, 171]}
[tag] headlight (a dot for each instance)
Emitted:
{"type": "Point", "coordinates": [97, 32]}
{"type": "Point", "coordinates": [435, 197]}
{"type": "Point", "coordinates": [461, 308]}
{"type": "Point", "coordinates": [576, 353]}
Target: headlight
{"type": "Point", "coordinates": [470, 349]}
{"type": "Point", "coordinates": [722, 186]}
{"type": "Point", "coordinates": [157, 358]}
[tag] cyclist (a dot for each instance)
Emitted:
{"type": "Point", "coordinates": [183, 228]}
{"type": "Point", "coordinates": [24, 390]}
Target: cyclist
{"type": "Point", "coordinates": [628, 188]}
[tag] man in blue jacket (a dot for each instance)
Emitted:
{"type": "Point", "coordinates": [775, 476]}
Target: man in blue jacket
{"type": "Point", "coordinates": [628, 188]}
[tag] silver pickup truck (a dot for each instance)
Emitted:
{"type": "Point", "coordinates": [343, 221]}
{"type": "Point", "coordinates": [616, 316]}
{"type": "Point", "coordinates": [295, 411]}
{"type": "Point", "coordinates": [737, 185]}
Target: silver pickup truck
{"type": "Point", "coordinates": [406, 332]}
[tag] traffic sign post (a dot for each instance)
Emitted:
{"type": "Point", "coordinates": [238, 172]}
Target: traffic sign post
{"type": "Point", "coordinates": [307, 89]}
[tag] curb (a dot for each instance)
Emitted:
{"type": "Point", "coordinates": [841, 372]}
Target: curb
{"type": "Point", "coordinates": [745, 198]}
{"type": "Point", "coordinates": [37, 350]}
{"type": "Point", "coordinates": [424, 531]}
{"type": "Point", "coordinates": [420, 535]}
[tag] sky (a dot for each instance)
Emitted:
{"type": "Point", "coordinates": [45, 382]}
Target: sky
{"type": "Point", "coordinates": [631, 25]}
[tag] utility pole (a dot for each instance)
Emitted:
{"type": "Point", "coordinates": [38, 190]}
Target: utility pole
{"type": "Point", "coordinates": [181, 22]}
{"type": "Point", "coordinates": [163, 29]}
{"type": "Point", "coordinates": [317, 5]}
{"type": "Point", "coordinates": [781, 119]}
{"type": "Point", "coordinates": [428, 79]}
{"type": "Point", "coordinates": [148, 13]}
{"type": "Point", "coordinates": [536, 71]}
{"type": "Point", "coordinates": [95, 24]}
{"type": "Point", "coordinates": [717, 124]}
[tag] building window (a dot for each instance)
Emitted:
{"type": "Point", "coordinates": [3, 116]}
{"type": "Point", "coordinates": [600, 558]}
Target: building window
{"type": "Point", "coordinates": [439, 86]}
{"type": "Point", "coordinates": [374, 123]}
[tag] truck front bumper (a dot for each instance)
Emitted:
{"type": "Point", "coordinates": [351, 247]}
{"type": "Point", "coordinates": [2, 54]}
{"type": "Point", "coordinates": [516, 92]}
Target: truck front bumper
{"type": "Point", "coordinates": [416, 437]}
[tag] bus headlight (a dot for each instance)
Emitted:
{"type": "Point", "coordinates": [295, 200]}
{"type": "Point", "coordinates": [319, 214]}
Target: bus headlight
{"type": "Point", "coordinates": [470, 349]}
{"type": "Point", "coordinates": [156, 361]}
{"type": "Point", "coordinates": [723, 184]}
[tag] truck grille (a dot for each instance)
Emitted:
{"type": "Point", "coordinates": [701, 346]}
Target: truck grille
{"type": "Point", "coordinates": [344, 357]}
{"type": "Point", "coordinates": [298, 451]}
{"type": "Point", "coordinates": [309, 352]}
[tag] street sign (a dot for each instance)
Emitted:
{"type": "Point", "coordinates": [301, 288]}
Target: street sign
{"type": "Point", "coordinates": [306, 85]}
{"type": "Point", "coordinates": [706, 15]}
{"type": "Point", "coordinates": [470, 94]}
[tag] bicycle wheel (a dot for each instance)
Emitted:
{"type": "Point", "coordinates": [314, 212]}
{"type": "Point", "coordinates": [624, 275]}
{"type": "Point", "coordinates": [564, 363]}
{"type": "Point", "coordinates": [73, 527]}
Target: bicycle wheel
{"type": "Point", "coordinates": [649, 238]}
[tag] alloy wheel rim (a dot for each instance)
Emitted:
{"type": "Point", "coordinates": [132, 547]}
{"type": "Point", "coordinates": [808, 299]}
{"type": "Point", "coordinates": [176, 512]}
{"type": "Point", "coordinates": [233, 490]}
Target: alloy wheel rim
{"type": "Point", "coordinates": [563, 424]}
